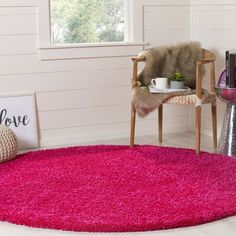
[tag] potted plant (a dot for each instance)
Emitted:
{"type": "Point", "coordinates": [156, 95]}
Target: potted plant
{"type": "Point", "coordinates": [177, 80]}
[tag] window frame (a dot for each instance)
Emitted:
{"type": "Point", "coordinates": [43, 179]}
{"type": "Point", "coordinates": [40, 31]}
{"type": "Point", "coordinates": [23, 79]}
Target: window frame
{"type": "Point", "coordinates": [132, 44]}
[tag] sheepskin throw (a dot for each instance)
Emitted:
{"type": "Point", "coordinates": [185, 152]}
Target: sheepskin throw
{"type": "Point", "coordinates": [164, 61]}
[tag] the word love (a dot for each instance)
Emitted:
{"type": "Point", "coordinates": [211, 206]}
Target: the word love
{"type": "Point", "coordinates": [15, 120]}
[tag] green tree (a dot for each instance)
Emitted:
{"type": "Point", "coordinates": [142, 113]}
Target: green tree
{"type": "Point", "coordinates": [80, 21]}
{"type": "Point", "coordinates": [60, 10]}
{"type": "Point", "coordinates": [110, 25]}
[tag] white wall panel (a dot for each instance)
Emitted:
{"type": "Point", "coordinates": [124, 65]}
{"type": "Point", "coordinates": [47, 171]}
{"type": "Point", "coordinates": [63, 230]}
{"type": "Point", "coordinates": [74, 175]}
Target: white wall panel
{"type": "Point", "coordinates": [161, 29]}
{"type": "Point", "coordinates": [67, 80]}
{"type": "Point", "coordinates": [19, 64]}
{"type": "Point", "coordinates": [18, 10]}
{"type": "Point", "coordinates": [214, 24]}
{"type": "Point", "coordinates": [82, 134]}
{"type": "Point", "coordinates": [172, 36]}
{"type": "Point", "coordinates": [19, 20]}
{"type": "Point", "coordinates": [88, 116]}
{"type": "Point", "coordinates": [156, 17]}
{"type": "Point", "coordinates": [213, 2]}
{"type": "Point", "coordinates": [17, 25]}
{"type": "Point", "coordinates": [91, 97]}
{"type": "Point", "coordinates": [214, 17]}
{"type": "Point", "coordinates": [18, 3]}
{"type": "Point", "coordinates": [217, 38]}
{"type": "Point", "coordinates": [18, 44]}
{"type": "Point", "coordinates": [83, 117]}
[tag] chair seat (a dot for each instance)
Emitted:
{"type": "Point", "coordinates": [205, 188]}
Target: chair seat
{"type": "Point", "coordinates": [192, 99]}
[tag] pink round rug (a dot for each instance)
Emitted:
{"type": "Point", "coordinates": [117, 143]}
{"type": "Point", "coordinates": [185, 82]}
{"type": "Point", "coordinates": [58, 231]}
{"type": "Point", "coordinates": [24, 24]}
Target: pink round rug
{"type": "Point", "coordinates": [117, 188]}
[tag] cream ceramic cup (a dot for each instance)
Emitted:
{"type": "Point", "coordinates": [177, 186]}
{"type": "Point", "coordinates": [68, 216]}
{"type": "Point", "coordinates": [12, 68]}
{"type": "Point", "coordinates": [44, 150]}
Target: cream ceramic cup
{"type": "Point", "coordinates": [160, 83]}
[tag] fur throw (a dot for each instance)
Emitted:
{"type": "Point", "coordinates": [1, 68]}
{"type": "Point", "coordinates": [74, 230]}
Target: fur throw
{"type": "Point", "coordinates": [164, 61]}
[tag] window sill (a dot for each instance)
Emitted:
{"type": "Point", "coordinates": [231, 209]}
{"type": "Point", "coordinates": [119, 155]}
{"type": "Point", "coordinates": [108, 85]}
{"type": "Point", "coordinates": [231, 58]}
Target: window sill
{"type": "Point", "coordinates": [83, 51]}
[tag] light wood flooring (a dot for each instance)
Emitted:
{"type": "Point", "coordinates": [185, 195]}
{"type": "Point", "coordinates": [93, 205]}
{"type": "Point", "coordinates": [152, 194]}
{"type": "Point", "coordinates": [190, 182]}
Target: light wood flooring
{"type": "Point", "coordinates": [225, 227]}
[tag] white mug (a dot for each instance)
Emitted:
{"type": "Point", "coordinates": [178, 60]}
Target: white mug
{"type": "Point", "coordinates": [160, 83]}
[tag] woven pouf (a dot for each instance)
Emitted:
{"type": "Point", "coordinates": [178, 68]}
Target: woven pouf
{"type": "Point", "coordinates": [8, 144]}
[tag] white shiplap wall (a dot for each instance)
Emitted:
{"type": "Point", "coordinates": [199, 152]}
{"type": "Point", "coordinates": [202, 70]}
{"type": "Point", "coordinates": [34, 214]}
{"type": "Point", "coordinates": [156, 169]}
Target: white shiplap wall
{"type": "Point", "coordinates": [166, 24]}
{"type": "Point", "coordinates": [83, 99]}
{"type": "Point", "coordinates": [214, 24]}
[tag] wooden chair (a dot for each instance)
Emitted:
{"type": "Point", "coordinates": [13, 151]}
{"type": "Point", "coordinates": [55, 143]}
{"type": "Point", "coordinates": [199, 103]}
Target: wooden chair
{"type": "Point", "coordinates": [208, 57]}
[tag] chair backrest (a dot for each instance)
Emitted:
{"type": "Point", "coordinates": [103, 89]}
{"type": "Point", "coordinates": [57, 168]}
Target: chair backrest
{"type": "Point", "coordinates": [208, 54]}
{"type": "Point", "coordinates": [163, 61]}
{"type": "Point", "coordinates": [207, 57]}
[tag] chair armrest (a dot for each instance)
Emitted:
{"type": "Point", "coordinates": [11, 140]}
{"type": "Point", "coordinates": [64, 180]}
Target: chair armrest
{"type": "Point", "coordinates": [138, 59]}
{"type": "Point", "coordinates": [205, 61]}
{"type": "Point", "coordinates": [134, 79]}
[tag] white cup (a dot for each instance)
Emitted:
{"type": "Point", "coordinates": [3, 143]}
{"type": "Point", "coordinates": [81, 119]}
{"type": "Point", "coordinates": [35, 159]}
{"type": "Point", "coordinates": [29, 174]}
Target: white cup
{"type": "Point", "coordinates": [160, 83]}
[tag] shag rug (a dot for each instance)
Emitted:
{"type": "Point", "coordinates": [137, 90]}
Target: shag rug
{"type": "Point", "coordinates": [117, 188]}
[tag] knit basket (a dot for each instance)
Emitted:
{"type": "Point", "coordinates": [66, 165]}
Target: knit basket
{"type": "Point", "coordinates": [8, 144]}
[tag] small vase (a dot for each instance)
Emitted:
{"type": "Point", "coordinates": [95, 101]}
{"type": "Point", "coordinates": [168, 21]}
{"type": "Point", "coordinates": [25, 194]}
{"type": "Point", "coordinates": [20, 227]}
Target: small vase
{"type": "Point", "coordinates": [177, 84]}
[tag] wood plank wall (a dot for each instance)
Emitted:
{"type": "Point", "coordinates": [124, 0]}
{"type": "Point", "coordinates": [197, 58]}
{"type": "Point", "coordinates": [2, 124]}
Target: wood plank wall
{"type": "Point", "coordinates": [214, 24]}
{"type": "Point", "coordinates": [82, 99]}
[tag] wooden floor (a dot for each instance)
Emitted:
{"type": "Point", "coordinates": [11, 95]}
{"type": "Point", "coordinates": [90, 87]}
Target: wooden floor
{"type": "Point", "coordinates": [225, 227]}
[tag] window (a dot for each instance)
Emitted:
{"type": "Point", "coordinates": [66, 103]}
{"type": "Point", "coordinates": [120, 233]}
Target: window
{"type": "Point", "coordinates": [87, 21]}
{"type": "Point", "coordinates": [108, 29]}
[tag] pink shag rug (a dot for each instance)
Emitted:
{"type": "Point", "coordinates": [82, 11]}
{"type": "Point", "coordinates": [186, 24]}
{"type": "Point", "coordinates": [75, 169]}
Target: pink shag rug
{"type": "Point", "coordinates": [117, 188]}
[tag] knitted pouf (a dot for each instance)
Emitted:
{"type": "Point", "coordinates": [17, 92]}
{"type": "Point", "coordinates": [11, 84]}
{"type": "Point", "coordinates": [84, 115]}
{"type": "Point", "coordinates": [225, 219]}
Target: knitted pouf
{"type": "Point", "coordinates": [8, 144]}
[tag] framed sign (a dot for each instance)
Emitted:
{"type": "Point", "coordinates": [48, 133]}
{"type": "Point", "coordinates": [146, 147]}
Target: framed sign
{"type": "Point", "coordinates": [18, 113]}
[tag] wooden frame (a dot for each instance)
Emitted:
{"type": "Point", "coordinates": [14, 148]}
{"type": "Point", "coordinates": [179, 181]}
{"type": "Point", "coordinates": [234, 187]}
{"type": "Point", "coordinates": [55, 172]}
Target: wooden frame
{"type": "Point", "coordinates": [208, 57]}
{"type": "Point", "coordinates": [18, 112]}
{"type": "Point", "coordinates": [130, 46]}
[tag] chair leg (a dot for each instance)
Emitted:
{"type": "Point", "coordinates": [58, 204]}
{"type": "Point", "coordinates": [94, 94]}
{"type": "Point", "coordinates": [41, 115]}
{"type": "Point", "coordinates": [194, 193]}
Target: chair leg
{"type": "Point", "coordinates": [160, 122]}
{"type": "Point", "coordinates": [214, 124]}
{"type": "Point", "coordinates": [132, 124]}
{"type": "Point", "coordinates": [198, 128]}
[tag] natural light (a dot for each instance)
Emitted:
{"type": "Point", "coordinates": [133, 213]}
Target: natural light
{"type": "Point", "coordinates": [87, 21]}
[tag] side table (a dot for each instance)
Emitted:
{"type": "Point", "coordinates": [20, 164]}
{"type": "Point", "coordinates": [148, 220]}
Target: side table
{"type": "Point", "coordinates": [227, 143]}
